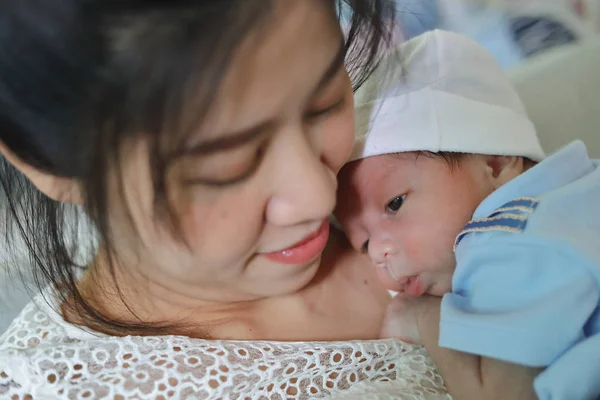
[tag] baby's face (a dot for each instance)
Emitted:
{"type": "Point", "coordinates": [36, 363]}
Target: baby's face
{"type": "Point", "coordinates": [406, 211]}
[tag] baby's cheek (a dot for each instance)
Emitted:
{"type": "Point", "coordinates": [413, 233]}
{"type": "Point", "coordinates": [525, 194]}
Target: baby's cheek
{"type": "Point", "coordinates": [432, 245]}
{"type": "Point", "coordinates": [416, 253]}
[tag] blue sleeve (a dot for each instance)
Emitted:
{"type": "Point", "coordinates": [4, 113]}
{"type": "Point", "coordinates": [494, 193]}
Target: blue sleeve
{"type": "Point", "coordinates": [575, 375]}
{"type": "Point", "coordinates": [520, 301]}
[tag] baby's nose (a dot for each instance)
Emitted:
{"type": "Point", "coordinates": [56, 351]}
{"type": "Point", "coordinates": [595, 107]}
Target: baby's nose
{"type": "Point", "coordinates": [381, 251]}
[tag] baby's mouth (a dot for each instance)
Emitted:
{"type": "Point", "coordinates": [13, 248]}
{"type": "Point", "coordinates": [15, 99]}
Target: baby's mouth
{"type": "Point", "coordinates": [409, 284]}
{"type": "Point", "coordinates": [399, 279]}
{"type": "Point", "coordinates": [415, 286]}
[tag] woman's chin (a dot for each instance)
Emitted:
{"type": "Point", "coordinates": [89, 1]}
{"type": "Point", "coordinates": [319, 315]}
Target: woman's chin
{"type": "Point", "coordinates": [300, 278]}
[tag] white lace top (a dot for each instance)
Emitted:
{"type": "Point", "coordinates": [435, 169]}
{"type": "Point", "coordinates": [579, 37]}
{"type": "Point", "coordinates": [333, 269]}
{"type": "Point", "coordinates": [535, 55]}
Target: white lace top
{"type": "Point", "coordinates": [44, 357]}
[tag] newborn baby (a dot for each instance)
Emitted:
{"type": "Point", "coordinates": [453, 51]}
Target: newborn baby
{"type": "Point", "coordinates": [450, 194]}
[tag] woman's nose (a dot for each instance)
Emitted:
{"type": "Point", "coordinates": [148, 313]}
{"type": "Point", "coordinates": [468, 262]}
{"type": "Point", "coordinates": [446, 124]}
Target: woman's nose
{"type": "Point", "coordinates": [304, 186]}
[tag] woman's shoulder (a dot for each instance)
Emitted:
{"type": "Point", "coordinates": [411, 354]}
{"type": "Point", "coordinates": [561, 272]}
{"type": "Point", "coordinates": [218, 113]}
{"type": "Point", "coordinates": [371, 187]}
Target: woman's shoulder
{"type": "Point", "coordinates": [340, 258]}
{"type": "Point", "coordinates": [40, 324]}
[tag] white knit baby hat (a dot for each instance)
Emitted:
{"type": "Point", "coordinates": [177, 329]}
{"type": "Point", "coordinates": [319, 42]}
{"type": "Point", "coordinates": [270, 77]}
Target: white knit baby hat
{"type": "Point", "coordinates": [442, 92]}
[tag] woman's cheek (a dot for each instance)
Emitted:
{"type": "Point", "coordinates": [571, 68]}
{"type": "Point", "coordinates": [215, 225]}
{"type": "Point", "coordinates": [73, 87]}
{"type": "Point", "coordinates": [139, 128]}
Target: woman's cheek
{"type": "Point", "coordinates": [339, 139]}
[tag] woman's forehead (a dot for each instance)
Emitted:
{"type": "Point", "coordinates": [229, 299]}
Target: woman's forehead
{"type": "Point", "coordinates": [277, 67]}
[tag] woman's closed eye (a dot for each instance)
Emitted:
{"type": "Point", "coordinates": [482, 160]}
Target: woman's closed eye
{"type": "Point", "coordinates": [331, 98]}
{"type": "Point", "coordinates": [328, 109]}
{"type": "Point", "coordinates": [224, 168]}
{"type": "Point", "coordinates": [395, 204]}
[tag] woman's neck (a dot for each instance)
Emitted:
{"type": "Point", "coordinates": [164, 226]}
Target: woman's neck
{"type": "Point", "coordinates": [344, 301]}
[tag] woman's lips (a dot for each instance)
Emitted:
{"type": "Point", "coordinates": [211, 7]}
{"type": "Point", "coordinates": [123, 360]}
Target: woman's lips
{"type": "Point", "coordinates": [305, 251]}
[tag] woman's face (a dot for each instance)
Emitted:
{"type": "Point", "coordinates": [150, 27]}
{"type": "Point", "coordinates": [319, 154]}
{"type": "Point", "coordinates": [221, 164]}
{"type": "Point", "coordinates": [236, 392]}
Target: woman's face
{"type": "Point", "coordinates": [259, 179]}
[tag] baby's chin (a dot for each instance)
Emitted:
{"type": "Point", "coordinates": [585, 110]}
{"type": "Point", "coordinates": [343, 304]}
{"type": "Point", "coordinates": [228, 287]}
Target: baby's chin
{"type": "Point", "coordinates": [440, 289]}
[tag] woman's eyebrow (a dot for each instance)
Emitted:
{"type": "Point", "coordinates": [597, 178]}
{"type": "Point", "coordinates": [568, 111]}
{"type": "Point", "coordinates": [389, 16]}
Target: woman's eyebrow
{"type": "Point", "coordinates": [227, 142]}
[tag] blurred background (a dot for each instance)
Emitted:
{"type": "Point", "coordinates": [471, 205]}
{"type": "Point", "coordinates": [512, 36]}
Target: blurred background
{"type": "Point", "coordinates": [512, 30]}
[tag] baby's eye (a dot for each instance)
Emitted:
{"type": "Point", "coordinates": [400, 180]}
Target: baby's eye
{"type": "Point", "coordinates": [394, 205]}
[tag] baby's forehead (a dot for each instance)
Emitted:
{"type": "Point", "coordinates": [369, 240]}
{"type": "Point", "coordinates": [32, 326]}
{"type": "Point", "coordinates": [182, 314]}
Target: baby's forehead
{"type": "Point", "coordinates": [366, 176]}
{"type": "Point", "coordinates": [375, 166]}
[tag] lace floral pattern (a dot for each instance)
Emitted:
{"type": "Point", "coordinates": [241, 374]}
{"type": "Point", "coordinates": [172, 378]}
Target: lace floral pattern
{"type": "Point", "coordinates": [43, 357]}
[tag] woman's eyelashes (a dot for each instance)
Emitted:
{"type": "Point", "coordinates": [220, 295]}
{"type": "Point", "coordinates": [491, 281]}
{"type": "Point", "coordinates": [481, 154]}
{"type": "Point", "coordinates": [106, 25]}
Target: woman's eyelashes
{"type": "Point", "coordinates": [234, 166]}
{"type": "Point", "coordinates": [395, 204]}
{"type": "Point", "coordinates": [225, 170]}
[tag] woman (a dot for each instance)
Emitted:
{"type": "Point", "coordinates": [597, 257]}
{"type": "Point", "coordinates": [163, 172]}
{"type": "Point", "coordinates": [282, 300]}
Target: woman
{"type": "Point", "coordinates": [202, 139]}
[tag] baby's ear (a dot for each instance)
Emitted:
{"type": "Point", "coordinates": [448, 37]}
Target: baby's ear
{"type": "Point", "coordinates": [502, 169]}
{"type": "Point", "coordinates": [64, 190]}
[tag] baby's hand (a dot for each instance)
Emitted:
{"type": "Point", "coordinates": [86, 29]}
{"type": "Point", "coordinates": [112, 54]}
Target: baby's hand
{"type": "Point", "coordinates": [403, 316]}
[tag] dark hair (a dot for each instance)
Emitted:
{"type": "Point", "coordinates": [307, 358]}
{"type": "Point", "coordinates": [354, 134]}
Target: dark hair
{"type": "Point", "coordinates": [455, 159]}
{"type": "Point", "coordinates": [78, 78]}
{"type": "Point", "coordinates": [452, 159]}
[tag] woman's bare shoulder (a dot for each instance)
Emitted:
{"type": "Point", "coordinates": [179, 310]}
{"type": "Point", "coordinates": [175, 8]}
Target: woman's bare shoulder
{"type": "Point", "coordinates": [341, 263]}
